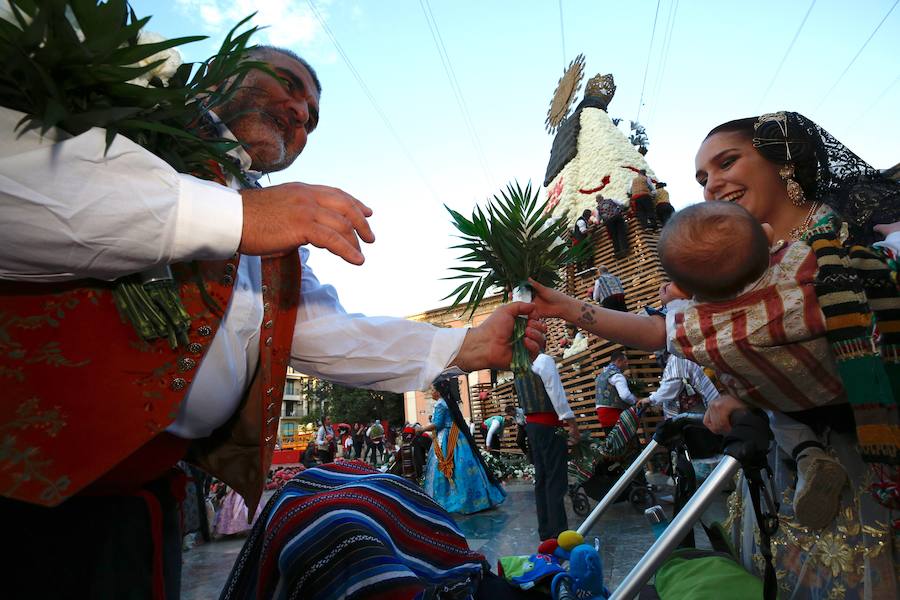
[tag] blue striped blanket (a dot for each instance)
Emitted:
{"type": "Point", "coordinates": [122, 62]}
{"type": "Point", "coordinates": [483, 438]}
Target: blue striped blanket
{"type": "Point", "coordinates": [345, 531]}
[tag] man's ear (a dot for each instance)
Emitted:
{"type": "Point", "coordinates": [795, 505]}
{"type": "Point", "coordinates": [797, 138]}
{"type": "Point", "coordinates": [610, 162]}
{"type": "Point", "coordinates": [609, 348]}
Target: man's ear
{"type": "Point", "coordinates": [770, 233]}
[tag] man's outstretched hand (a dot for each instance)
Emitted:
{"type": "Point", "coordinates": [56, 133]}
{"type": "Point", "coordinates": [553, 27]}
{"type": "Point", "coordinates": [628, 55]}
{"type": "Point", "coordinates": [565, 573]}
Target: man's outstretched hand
{"type": "Point", "coordinates": [488, 345]}
{"type": "Point", "coordinates": [281, 218]}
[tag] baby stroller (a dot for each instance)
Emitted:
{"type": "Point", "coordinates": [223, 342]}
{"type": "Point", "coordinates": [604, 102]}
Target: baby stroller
{"type": "Point", "coordinates": [594, 472]}
{"type": "Point", "coordinates": [745, 448]}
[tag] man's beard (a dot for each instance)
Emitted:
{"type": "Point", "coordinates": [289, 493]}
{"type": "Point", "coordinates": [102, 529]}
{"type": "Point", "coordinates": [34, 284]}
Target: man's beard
{"type": "Point", "coordinates": [247, 120]}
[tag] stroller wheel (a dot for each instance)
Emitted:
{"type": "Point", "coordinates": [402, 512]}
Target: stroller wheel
{"type": "Point", "coordinates": [641, 498]}
{"type": "Point", "coordinates": [580, 503]}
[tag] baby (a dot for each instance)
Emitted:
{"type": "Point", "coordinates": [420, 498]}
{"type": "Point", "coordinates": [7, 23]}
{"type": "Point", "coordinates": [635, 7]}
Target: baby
{"type": "Point", "coordinates": [751, 317]}
{"type": "Point", "coordinates": [760, 328]}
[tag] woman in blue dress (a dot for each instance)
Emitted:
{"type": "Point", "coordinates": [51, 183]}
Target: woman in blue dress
{"type": "Point", "coordinates": [456, 476]}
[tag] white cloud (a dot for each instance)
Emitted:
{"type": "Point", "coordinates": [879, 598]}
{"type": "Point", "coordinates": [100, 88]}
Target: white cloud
{"type": "Point", "coordinates": [211, 15]}
{"type": "Point", "coordinates": [287, 23]}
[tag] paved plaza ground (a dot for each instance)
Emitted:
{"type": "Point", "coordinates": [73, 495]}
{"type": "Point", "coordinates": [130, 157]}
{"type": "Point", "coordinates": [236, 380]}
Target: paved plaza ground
{"type": "Point", "coordinates": [508, 529]}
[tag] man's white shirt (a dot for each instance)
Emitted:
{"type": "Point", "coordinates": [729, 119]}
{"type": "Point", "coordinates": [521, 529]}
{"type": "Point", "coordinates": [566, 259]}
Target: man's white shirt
{"type": "Point", "coordinates": [73, 210]}
{"type": "Point", "coordinates": [545, 368]}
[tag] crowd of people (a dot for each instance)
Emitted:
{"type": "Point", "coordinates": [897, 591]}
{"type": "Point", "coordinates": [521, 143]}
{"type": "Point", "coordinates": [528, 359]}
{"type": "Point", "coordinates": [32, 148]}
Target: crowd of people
{"type": "Point", "coordinates": [373, 442]}
{"type": "Point", "coordinates": [100, 505]}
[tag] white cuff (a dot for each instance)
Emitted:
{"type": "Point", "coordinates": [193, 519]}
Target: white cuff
{"type": "Point", "coordinates": [210, 220]}
{"type": "Point", "coordinates": [445, 347]}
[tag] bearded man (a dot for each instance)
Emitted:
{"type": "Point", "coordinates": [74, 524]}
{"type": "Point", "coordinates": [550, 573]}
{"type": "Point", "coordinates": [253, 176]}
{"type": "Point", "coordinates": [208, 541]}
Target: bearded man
{"type": "Point", "coordinates": [95, 417]}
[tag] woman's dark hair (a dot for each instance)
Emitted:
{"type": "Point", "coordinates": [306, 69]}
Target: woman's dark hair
{"type": "Point", "coordinates": [744, 126]}
{"type": "Point", "coordinates": [800, 145]}
{"type": "Point", "coordinates": [449, 391]}
{"type": "Point", "coordinates": [826, 169]}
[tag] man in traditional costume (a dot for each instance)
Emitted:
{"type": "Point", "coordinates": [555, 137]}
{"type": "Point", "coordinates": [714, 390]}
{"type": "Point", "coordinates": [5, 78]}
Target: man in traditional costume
{"type": "Point", "coordinates": [612, 394]}
{"type": "Point", "coordinates": [541, 396]}
{"type": "Point", "coordinates": [94, 417]}
{"type": "Point", "coordinates": [642, 194]}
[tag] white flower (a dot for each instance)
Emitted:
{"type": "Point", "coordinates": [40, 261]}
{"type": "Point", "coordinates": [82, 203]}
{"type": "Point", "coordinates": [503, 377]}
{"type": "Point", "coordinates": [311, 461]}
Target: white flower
{"type": "Point", "coordinates": [163, 71]}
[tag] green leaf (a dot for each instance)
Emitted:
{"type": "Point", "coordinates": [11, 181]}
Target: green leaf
{"type": "Point", "coordinates": [161, 128]}
{"type": "Point", "coordinates": [139, 52]}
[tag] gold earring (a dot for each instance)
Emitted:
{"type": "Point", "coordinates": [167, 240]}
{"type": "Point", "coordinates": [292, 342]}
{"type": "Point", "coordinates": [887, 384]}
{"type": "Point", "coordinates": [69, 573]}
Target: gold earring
{"type": "Point", "coordinates": [794, 191]}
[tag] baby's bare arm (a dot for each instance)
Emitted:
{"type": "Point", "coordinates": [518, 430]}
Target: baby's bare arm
{"type": "Point", "coordinates": [643, 332]}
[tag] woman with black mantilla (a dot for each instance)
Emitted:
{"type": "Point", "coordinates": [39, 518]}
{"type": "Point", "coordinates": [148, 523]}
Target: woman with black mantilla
{"type": "Point", "coordinates": [793, 175]}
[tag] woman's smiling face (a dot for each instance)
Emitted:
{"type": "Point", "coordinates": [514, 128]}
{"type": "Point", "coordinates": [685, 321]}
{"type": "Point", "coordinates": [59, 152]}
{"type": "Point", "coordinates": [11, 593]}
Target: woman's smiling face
{"type": "Point", "coordinates": [729, 168]}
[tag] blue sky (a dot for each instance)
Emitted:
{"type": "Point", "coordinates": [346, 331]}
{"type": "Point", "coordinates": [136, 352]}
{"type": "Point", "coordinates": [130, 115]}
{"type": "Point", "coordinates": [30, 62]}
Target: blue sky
{"type": "Point", "coordinates": [507, 57]}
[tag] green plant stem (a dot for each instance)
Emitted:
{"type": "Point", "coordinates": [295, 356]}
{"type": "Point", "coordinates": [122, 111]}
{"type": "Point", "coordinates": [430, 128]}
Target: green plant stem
{"type": "Point", "coordinates": [521, 361]}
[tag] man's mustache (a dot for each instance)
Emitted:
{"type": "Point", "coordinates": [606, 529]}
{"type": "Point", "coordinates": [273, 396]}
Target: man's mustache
{"type": "Point", "coordinates": [285, 121]}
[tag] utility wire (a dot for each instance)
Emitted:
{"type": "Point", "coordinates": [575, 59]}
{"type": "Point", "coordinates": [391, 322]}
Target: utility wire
{"type": "Point", "coordinates": [869, 39]}
{"type": "Point", "coordinates": [647, 66]}
{"type": "Point", "coordinates": [562, 34]}
{"type": "Point", "coordinates": [454, 85]}
{"type": "Point", "coordinates": [878, 99]}
{"type": "Point", "coordinates": [661, 72]}
{"type": "Point", "coordinates": [371, 97]}
{"type": "Point", "coordinates": [786, 53]}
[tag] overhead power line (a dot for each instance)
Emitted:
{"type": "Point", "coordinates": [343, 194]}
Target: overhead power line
{"type": "Point", "coordinates": [878, 99]}
{"type": "Point", "coordinates": [457, 90]}
{"type": "Point", "coordinates": [786, 53]}
{"type": "Point", "coordinates": [647, 66]}
{"type": "Point", "coordinates": [371, 97]}
{"type": "Point", "coordinates": [853, 60]}
{"type": "Point", "coordinates": [664, 61]}
{"type": "Point", "coordinates": [562, 34]}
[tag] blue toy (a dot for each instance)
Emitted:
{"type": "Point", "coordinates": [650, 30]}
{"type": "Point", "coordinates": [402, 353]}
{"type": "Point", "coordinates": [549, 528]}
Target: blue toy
{"type": "Point", "coordinates": [586, 571]}
{"type": "Point", "coordinates": [584, 579]}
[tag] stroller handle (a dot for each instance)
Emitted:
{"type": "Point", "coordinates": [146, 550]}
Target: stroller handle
{"type": "Point", "coordinates": [677, 529]}
{"type": "Point", "coordinates": [670, 430]}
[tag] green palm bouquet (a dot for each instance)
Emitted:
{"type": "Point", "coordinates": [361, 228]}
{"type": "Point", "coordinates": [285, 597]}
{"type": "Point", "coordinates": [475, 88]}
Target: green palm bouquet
{"type": "Point", "coordinates": [512, 240]}
{"type": "Point", "coordinates": [80, 64]}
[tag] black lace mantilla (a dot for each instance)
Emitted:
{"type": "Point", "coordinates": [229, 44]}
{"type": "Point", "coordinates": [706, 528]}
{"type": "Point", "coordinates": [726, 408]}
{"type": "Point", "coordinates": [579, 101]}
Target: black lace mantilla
{"type": "Point", "coordinates": [831, 173]}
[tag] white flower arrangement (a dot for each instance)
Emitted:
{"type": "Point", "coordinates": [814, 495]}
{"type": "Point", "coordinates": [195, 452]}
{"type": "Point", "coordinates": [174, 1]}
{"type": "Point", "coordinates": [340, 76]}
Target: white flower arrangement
{"type": "Point", "coordinates": [164, 71]}
{"type": "Point", "coordinates": [603, 150]}
{"type": "Point", "coordinates": [579, 344]}
{"type": "Point", "coordinates": [506, 466]}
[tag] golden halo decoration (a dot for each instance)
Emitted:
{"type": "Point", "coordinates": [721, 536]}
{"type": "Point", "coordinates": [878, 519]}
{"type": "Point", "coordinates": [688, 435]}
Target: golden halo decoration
{"type": "Point", "coordinates": [565, 93]}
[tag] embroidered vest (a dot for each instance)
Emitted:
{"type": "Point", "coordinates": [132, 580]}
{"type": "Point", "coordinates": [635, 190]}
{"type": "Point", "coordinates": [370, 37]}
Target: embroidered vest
{"type": "Point", "coordinates": [82, 392]}
{"type": "Point", "coordinates": [531, 394]}
{"type": "Point", "coordinates": [606, 394]}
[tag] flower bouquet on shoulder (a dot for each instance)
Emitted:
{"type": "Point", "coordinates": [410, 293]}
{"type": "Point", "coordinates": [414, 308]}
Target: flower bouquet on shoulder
{"type": "Point", "coordinates": [74, 65]}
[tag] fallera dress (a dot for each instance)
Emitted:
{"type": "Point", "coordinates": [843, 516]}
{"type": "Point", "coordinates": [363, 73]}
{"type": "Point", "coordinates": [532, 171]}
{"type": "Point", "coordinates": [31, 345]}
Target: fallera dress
{"type": "Point", "coordinates": [470, 490]}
